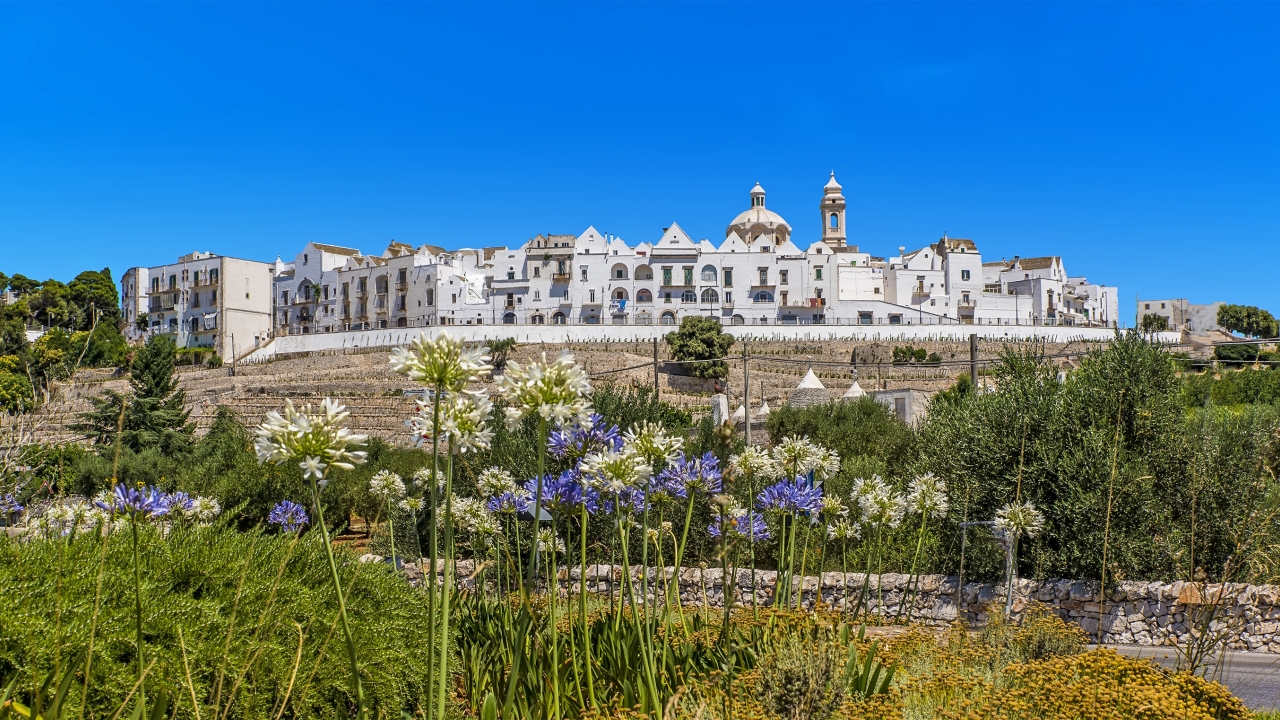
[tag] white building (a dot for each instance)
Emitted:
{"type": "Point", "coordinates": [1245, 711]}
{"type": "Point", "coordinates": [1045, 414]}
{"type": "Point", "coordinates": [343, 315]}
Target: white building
{"type": "Point", "coordinates": [1181, 314]}
{"type": "Point", "coordinates": [204, 300]}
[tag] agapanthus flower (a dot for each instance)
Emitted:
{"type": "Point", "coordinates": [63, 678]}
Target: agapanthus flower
{"type": "Point", "coordinates": [136, 504]}
{"type": "Point", "coordinates": [652, 442]}
{"type": "Point", "coordinates": [412, 505]}
{"type": "Point", "coordinates": [178, 502]}
{"type": "Point", "coordinates": [833, 507]}
{"type": "Point", "coordinates": [631, 500]}
{"type": "Point", "coordinates": [882, 506]}
{"type": "Point", "coordinates": [386, 485]}
{"type": "Point", "coordinates": [698, 474]}
{"type": "Point", "coordinates": [317, 440]}
{"type": "Point", "coordinates": [494, 481]}
{"type": "Point", "coordinates": [753, 462]}
{"type": "Point", "coordinates": [422, 479]}
{"type": "Point", "coordinates": [290, 516]}
{"type": "Point", "coordinates": [9, 505]}
{"type": "Point", "coordinates": [842, 529]}
{"type": "Point", "coordinates": [616, 471]}
{"type": "Point", "coordinates": [464, 421]}
{"type": "Point", "coordinates": [748, 525]}
{"type": "Point", "coordinates": [566, 493]}
{"type": "Point", "coordinates": [471, 515]}
{"type": "Point", "coordinates": [65, 516]}
{"type": "Point", "coordinates": [573, 442]}
{"type": "Point", "coordinates": [443, 362]}
{"type": "Point", "coordinates": [203, 509]}
{"type": "Point", "coordinates": [548, 542]}
{"type": "Point", "coordinates": [790, 497]}
{"type": "Point", "coordinates": [510, 502]}
{"type": "Point", "coordinates": [556, 390]}
{"type": "Point", "coordinates": [799, 456]}
{"type": "Point", "coordinates": [927, 496]}
{"type": "Point", "coordinates": [1019, 519]}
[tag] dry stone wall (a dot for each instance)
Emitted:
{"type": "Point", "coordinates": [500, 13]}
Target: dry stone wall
{"type": "Point", "coordinates": [1137, 613]}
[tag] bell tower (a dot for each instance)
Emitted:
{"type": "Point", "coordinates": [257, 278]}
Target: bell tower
{"type": "Point", "coordinates": [832, 207]}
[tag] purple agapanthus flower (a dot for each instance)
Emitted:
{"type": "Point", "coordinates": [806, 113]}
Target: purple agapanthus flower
{"type": "Point", "coordinates": [630, 500]}
{"type": "Point", "coordinates": [131, 502]}
{"type": "Point", "coordinates": [510, 502]}
{"type": "Point", "coordinates": [178, 502]}
{"type": "Point", "coordinates": [9, 505]}
{"type": "Point", "coordinates": [750, 525]}
{"type": "Point", "coordinates": [565, 493]}
{"type": "Point", "coordinates": [699, 474]}
{"type": "Point", "coordinates": [790, 497]}
{"type": "Point", "coordinates": [575, 442]}
{"type": "Point", "coordinates": [290, 516]}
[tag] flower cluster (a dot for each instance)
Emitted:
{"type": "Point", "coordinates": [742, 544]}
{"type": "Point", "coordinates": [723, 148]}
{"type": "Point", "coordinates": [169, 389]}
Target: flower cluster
{"type": "Point", "coordinates": [464, 421]}
{"type": "Point", "coordinates": [790, 497]}
{"type": "Point", "coordinates": [652, 442]}
{"type": "Point", "coordinates": [692, 475]}
{"type": "Point", "coordinates": [565, 493]}
{"type": "Point", "coordinates": [135, 504]}
{"type": "Point", "coordinates": [842, 529]}
{"type": "Point", "coordinates": [65, 516]}
{"type": "Point", "coordinates": [510, 502]}
{"type": "Point", "coordinates": [616, 471]}
{"type": "Point", "coordinates": [548, 542]}
{"type": "Point", "coordinates": [577, 441]}
{"type": "Point", "coordinates": [422, 479]}
{"type": "Point", "coordinates": [471, 515]}
{"type": "Point", "coordinates": [443, 362]}
{"type": "Point", "coordinates": [555, 390]}
{"type": "Point", "coordinates": [927, 496]}
{"type": "Point", "coordinates": [201, 509]}
{"type": "Point", "coordinates": [881, 505]}
{"type": "Point", "coordinates": [799, 456]}
{"type": "Point", "coordinates": [386, 485]}
{"type": "Point", "coordinates": [290, 516]}
{"type": "Point", "coordinates": [739, 523]}
{"type": "Point", "coordinates": [412, 505]}
{"type": "Point", "coordinates": [1017, 519]}
{"type": "Point", "coordinates": [494, 481]}
{"type": "Point", "coordinates": [753, 462]}
{"type": "Point", "coordinates": [9, 505]}
{"type": "Point", "coordinates": [319, 440]}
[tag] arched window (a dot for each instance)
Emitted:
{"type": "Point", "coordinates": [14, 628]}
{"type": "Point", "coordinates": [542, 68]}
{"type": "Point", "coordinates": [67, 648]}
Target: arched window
{"type": "Point", "coordinates": [764, 296]}
{"type": "Point", "coordinates": [644, 272]}
{"type": "Point", "coordinates": [739, 320]}
{"type": "Point", "coordinates": [864, 318]}
{"type": "Point", "coordinates": [537, 320]}
{"type": "Point", "coordinates": [509, 319]}
{"type": "Point", "coordinates": [644, 296]}
{"type": "Point", "coordinates": [619, 272]}
{"type": "Point", "coordinates": [558, 319]}
{"type": "Point", "coordinates": [619, 294]}
{"type": "Point", "coordinates": [709, 274]}
{"type": "Point", "coordinates": [710, 296]}
{"type": "Point", "coordinates": [668, 318]}
{"type": "Point", "coordinates": [402, 322]}
{"type": "Point", "coordinates": [688, 296]}
{"type": "Point", "coordinates": [835, 221]}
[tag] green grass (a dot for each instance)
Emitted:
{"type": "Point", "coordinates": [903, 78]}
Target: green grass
{"type": "Point", "coordinates": [239, 603]}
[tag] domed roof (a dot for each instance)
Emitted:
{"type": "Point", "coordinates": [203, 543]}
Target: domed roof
{"type": "Point", "coordinates": [832, 184]}
{"type": "Point", "coordinates": [758, 216]}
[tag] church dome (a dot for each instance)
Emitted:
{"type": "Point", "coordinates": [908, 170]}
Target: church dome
{"type": "Point", "coordinates": [758, 220]}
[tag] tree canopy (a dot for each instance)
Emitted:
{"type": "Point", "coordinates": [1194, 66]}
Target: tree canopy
{"type": "Point", "coordinates": [155, 415]}
{"type": "Point", "coordinates": [1248, 320]}
{"type": "Point", "coordinates": [701, 338]}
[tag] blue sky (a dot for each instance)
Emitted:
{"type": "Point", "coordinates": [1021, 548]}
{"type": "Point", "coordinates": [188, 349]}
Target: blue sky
{"type": "Point", "coordinates": [1139, 141]}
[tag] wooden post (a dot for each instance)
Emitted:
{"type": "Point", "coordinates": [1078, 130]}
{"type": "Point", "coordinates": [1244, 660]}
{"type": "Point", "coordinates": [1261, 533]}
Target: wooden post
{"type": "Point", "coordinates": [746, 398]}
{"type": "Point", "coordinates": [973, 361]}
{"type": "Point", "coordinates": [655, 369]}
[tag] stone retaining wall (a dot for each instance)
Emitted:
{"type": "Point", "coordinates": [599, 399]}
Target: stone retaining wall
{"type": "Point", "coordinates": [1138, 613]}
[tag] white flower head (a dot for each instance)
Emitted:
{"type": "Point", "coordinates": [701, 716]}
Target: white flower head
{"type": "Point", "coordinates": [652, 442]}
{"type": "Point", "coordinates": [927, 496]}
{"type": "Point", "coordinates": [464, 418]}
{"type": "Point", "coordinates": [471, 515]}
{"type": "Point", "coordinates": [555, 390]}
{"type": "Point", "coordinates": [843, 530]}
{"type": "Point", "coordinates": [422, 479]}
{"type": "Point", "coordinates": [833, 506]}
{"type": "Point", "coordinates": [754, 462]}
{"type": "Point", "coordinates": [1019, 519]}
{"type": "Point", "coordinates": [412, 505]}
{"type": "Point", "coordinates": [386, 485]}
{"type": "Point", "coordinates": [799, 456]}
{"type": "Point", "coordinates": [614, 472]}
{"type": "Point", "coordinates": [203, 509]}
{"type": "Point", "coordinates": [442, 362]}
{"type": "Point", "coordinates": [548, 542]}
{"type": "Point", "coordinates": [881, 505]}
{"type": "Point", "coordinates": [494, 481]}
{"type": "Point", "coordinates": [318, 440]}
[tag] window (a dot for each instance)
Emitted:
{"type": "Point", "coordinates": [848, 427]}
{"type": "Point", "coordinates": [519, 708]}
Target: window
{"type": "Point", "coordinates": [584, 273]}
{"type": "Point", "coordinates": [155, 287]}
{"type": "Point", "coordinates": [668, 318]}
{"type": "Point", "coordinates": [284, 297]}
{"type": "Point", "coordinates": [560, 271]}
{"type": "Point", "coordinates": [710, 296]}
{"type": "Point", "coordinates": [688, 276]}
{"type": "Point", "coordinates": [453, 298]}
{"type": "Point", "coordinates": [644, 296]}
{"type": "Point", "coordinates": [1148, 307]}
{"type": "Point", "coordinates": [965, 298]}
{"type": "Point", "coordinates": [619, 294]}
{"type": "Point", "coordinates": [709, 273]}
{"type": "Point", "coordinates": [195, 300]}
{"type": "Point", "coordinates": [764, 276]}
{"type": "Point", "coordinates": [213, 298]}
{"type": "Point", "coordinates": [431, 297]}
{"type": "Point", "coordinates": [875, 291]}
{"type": "Point", "coordinates": [304, 258]}
{"type": "Point", "coordinates": [511, 274]}
{"type": "Point", "coordinates": [402, 276]}
{"type": "Point", "coordinates": [537, 271]}
{"type": "Point", "coordinates": [835, 221]}
{"type": "Point", "coordinates": [592, 292]}
{"type": "Point", "coordinates": [184, 275]}
{"type": "Point", "coordinates": [728, 277]}
{"type": "Point", "coordinates": [895, 319]}
{"type": "Point", "coordinates": [666, 276]}
{"type": "Point", "coordinates": [173, 281]}
{"type": "Point", "coordinates": [213, 276]}
{"type": "Point", "coordinates": [537, 294]}
{"type": "Point", "coordinates": [784, 297]}
{"type": "Point", "coordinates": [782, 277]}
{"type": "Point", "coordinates": [688, 296]}
{"type": "Point", "coordinates": [817, 273]}
{"type": "Point", "coordinates": [511, 299]}
{"type": "Point", "coordinates": [764, 296]}
{"type": "Point", "coordinates": [558, 319]}
{"type": "Point", "coordinates": [326, 292]}
{"type": "Point", "coordinates": [964, 274]}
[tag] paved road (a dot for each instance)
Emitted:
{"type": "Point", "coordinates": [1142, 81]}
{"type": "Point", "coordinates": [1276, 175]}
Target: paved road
{"type": "Point", "coordinates": [1253, 677]}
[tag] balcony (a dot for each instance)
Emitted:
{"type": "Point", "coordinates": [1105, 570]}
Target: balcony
{"type": "Point", "coordinates": [561, 277]}
{"type": "Point", "coordinates": [402, 284]}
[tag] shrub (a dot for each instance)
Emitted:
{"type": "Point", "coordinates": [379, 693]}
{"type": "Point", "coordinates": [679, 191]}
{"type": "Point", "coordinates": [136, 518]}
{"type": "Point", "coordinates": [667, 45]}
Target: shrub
{"type": "Point", "coordinates": [701, 338]}
{"type": "Point", "coordinates": [799, 680]}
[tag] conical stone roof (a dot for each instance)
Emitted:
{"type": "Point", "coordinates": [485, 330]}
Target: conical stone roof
{"type": "Point", "coordinates": [810, 391]}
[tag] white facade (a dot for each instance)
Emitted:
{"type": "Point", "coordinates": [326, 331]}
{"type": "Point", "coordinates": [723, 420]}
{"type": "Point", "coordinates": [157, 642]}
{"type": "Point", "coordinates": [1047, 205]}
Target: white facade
{"type": "Point", "coordinates": [206, 300]}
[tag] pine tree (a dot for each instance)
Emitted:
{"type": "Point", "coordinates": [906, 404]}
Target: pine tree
{"type": "Point", "coordinates": [155, 415]}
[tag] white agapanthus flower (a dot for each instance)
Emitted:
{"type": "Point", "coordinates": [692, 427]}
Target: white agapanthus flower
{"type": "Point", "coordinates": [412, 505]}
{"type": "Point", "coordinates": [927, 496]}
{"type": "Point", "coordinates": [442, 362]}
{"type": "Point", "coordinates": [203, 509]}
{"type": "Point", "coordinates": [799, 456]}
{"type": "Point", "coordinates": [64, 516]}
{"type": "Point", "coordinates": [754, 462]}
{"type": "Point", "coordinates": [842, 529]}
{"type": "Point", "coordinates": [386, 485]}
{"type": "Point", "coordinates": [317, 440]}
{"type": "Point", "coordinates": [556, 390]}
{"type": "Point", "coordinates": [613, 472]}
{"type": "Point", "coordinates": [881, 505]}
{"type": "Point", "coordinates": [471, 515]}
{"type": "Point", "coordinates": [652, 442]}
{"type": "Point", "coordinates": [827, 464]}
{"type": "Point", "coordinates": [494, 481]}
{"type": "Point", "coordinates": [547, 541]}
{"type": "Point", "coordinates": [422, 479]}
{"type": "Point", "coordinates": [1019, 519]}
{"type": "Point", "coordinates": [833, 507]}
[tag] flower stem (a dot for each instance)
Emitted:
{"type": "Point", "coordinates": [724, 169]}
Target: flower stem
{"type": "Point", "coordinates": [582, 607]}
{"type": "Point", "coordinates": [342, 602]}
{"type": "Point", "coordinates": [137, 607]}
{"type": "Point", "coordinates": [391, 532]}
{"type": "Point", "coordinates": [537, 506]}
{"type": "Point", "coordinates": [442, 665]}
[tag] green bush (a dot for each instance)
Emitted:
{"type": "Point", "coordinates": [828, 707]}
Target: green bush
{"type": "Point", "coordinates": [701, 338]}
{"type": "Point", "coordinates": [241, 601]}
{"type": "Point", "coordinates": [800, 679]}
